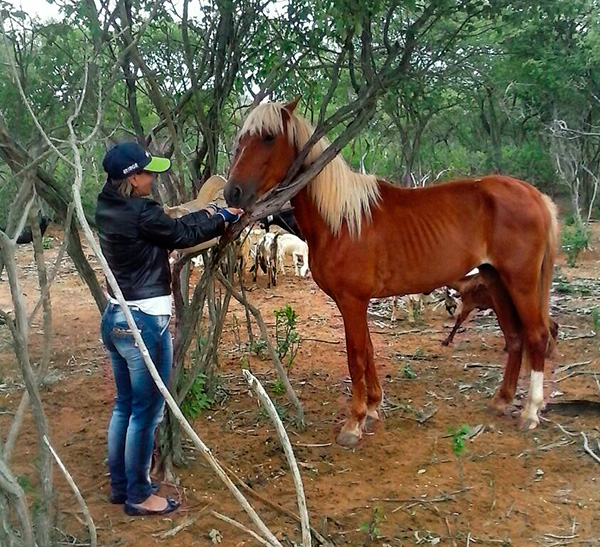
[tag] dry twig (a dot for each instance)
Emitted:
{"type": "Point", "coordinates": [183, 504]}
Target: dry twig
{"type": "Point", "coordinates": [587, 448]}
{"type": "Point", "coordinates": [84, 508]}
{"type": "Point", "coordinates": [242, 527]}
{"type": "Point", "coordinates": [289, 453]}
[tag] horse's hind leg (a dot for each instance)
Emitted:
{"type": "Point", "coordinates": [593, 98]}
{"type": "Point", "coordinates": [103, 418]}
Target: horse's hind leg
{"type": "Point", "coordinates": [354, 313]}
{"type": "Point", "coordinates": [374, 392]}
{"type": "Point", "coordinates": [510, 324]}
{"type": "Point", "coordinates": [535, 339]}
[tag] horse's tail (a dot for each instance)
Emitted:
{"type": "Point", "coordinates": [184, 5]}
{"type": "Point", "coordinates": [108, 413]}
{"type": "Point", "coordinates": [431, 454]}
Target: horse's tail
{"type": "Point", "coordinates": [549, 258]}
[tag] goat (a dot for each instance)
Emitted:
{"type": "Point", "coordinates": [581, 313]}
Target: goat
{"type": "Point", "coordinates": [249, 238]}
{"type": "Point", "coordinates": [26, 235]}
{"type": "Point", "coordinates": [285, 220]}
{"type": "Point", "coordinates": [475, 295]}
{"type": "Point", "coordinates": [266, 258]}
{"type": "Point", "coordinates": [414, 306]}
{"type": "Point", "coordinates": [291, 244]}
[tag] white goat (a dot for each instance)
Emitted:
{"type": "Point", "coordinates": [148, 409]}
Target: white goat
{"type": "Point", "coordinates": [289, 244]}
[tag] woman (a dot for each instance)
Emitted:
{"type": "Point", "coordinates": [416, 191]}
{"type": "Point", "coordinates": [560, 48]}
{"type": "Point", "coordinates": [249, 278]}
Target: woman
{"type": "Point", "coordinates": [136, 237]}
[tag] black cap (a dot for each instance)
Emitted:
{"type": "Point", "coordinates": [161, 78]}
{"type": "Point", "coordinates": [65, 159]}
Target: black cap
{"type": "Point", "coordinates": [129, 158]}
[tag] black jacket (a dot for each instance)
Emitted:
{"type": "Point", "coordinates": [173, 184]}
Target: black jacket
{"type": "Point", "coordinates": [136, 236]}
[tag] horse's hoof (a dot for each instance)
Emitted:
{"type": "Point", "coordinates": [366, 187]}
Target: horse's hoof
{"type": "Point", "coordinates": [371, 421]}
{"type": "Point", "coordinates": [445, 343]}
{"type": "Point", "coordinates": [498, 406]}
{"type": "Point", "coordinates": [347, 439]}
{"type": "Point", "coordinates": [527, 423]}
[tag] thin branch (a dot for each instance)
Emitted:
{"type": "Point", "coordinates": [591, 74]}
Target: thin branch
{"type": "Point", "coordinates": [274, 505]}
{"type": "Point", "coordinates": [57, 262]}
{"type": "Point", "coordinates": [289, 453]}
{"type": "Point", "coordinates": [240, 526]}
{"type": "Point", "coordinates": [84, 508]}
{"type": "Point", "coordinates": [9, 484]}
{"type": "Point", "coordinates": [19, 330]}
{"type": "Point", "coordinates": [44, 283]}
{"type": "Point", "coordinates": [587, 448]}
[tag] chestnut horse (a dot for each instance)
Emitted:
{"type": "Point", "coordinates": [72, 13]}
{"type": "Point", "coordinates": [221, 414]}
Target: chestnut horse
{"type": "Point", "coordinates": [370, 239]}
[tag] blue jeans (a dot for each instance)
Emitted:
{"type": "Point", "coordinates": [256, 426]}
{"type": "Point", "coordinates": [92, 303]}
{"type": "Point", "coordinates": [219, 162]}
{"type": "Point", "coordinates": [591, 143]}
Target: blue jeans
{"type": "Point", "coordinates": [139, 405]}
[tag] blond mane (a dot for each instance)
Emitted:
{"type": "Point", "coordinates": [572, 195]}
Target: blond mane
{"type": "Point", "coordinates": [338, 192]}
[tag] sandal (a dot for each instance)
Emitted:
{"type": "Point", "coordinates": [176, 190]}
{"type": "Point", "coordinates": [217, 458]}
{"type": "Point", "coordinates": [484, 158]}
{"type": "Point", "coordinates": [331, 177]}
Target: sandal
{"type": "Point", "coordinates": [120, 499]}
{"type": "Point", "coordinates": [134, 510]}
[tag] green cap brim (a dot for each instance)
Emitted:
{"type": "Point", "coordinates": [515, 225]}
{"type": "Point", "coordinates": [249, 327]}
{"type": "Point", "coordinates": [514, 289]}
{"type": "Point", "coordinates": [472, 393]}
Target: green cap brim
{"type": "Point", "coordinates": [158, 165]}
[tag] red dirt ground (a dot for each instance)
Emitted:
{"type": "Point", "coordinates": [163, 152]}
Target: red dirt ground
{"type": "Point", "coordinates": [404, 483]}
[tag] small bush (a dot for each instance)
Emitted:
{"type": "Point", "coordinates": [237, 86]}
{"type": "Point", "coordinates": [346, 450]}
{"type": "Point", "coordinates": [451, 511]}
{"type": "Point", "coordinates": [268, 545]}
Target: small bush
{"type": "Point", "coordinates": [278, 388]}
{"type": "Point", "coordinates": [259, 348]}
{"type": "Point", "coordinates": [575, 238]}
{"type": "Point", "coordinates": [286, 335]}
{"type": "Point", "coordinates": [408, 372]}
{"type": "Point", "coordinates": [196, 399]}
{"type": "Point", "coordinates": [458, 438]}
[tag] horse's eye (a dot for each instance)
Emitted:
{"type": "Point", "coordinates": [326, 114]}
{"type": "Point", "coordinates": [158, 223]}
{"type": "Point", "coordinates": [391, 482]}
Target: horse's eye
{"type": "Point", "coordinates": [269, 138]}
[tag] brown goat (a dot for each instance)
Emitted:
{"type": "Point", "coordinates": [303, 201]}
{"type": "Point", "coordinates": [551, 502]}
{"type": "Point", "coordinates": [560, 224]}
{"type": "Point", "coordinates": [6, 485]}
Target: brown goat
{"type": "Point", "coordinates": [475, 295]}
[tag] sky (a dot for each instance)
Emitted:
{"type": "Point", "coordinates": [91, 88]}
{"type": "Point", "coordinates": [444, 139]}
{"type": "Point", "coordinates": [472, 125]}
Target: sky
{"type": "Point", "coordinates": [40, 8]}
{"type": "Point", "coordinates": [46, 10]}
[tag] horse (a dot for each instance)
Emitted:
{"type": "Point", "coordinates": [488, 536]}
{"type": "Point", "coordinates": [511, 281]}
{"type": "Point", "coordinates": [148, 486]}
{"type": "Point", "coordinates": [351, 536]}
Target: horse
{"type": "Point", "coordinates": [370, 239]}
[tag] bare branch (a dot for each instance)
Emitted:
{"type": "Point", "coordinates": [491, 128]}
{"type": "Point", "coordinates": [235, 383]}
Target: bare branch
{"type": "Point", "coordinates": [19, 330]}
{"type": "Point", "coordinates": [240, 526]}
{"type": "Point", "coordinates": [587, 448]}
{"type": "Point", "coordinates": [289, 453]}
{"type": "Point", "coordinates": [9, 484]}
{"type": "Point", "coordinates": [84, 508]}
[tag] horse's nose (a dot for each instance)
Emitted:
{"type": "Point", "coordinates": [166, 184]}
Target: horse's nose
{"type": "Point", "coordinates": [233, 195]}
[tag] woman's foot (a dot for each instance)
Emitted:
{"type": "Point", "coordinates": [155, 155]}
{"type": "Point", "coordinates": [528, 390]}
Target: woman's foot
{"type": "Point", "coordinates": [154, 505]}
{"type": "Point", "coordinates": [120, 499]}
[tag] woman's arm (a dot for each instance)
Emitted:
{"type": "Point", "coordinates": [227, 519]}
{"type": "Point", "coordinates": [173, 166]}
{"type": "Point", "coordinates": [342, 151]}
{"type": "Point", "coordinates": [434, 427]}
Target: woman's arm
{"type": "Point", "coordinates": [178, 233]}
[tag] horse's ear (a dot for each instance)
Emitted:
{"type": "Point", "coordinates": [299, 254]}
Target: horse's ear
{"type": "Point", "coordinates": [291, 106]}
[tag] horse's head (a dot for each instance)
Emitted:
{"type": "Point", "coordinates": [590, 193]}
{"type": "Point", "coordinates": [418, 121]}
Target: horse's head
{"type": "Point", "coordinates": [265, 150]}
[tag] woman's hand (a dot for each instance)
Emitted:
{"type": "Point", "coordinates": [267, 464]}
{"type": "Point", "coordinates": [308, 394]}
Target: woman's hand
{"type": "Point", "coordinates": [230, 214]}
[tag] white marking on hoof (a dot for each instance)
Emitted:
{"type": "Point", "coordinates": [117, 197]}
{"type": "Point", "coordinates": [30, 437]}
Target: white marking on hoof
{"type": "Point", "coordinates": [529, 417]}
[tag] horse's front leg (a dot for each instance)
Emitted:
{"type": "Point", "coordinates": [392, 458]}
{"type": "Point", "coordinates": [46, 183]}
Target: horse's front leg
{"type": "Point", "coordinates": [374, 391]}
{"type": "Point", "coordinates": [354, 313]}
